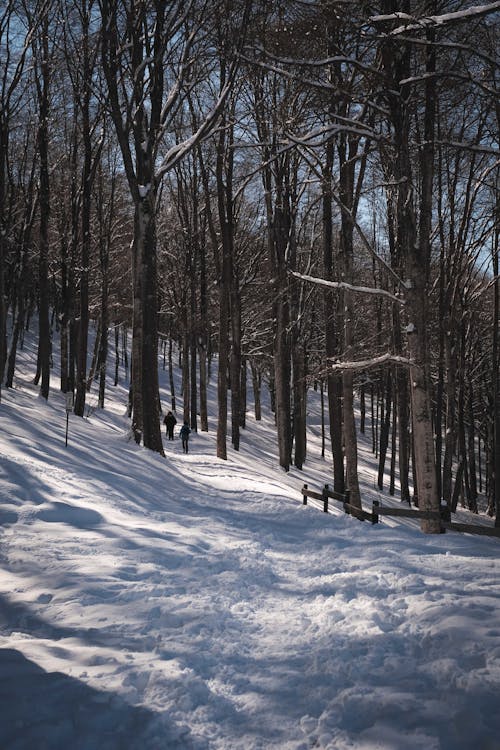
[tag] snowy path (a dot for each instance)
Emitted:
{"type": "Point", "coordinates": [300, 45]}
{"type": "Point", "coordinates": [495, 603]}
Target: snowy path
{"type": "Point", "coordinates": [186, 603]}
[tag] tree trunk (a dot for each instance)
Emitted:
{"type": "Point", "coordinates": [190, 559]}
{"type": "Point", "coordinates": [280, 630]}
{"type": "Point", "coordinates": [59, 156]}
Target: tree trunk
{"type": "Point", "coordinates": [334, 381]}
{"type": "Point", "coordinates": [299, 404]}
{"type": "Point", "coordinates": [472, 500]}
{"type": "Point", "coordinates": [282, 372]}
{"type": "Point", "coordinates": [243, 392]}
{"type": "Point", "coordinates": [171, 373]}
{"type": "Point", "coordinates": [117, 353]}
{"type": "Point", "coordinates": [256, 383]}
{"type": "Point", "coordinates": [222, 380]}
{"type": "Point", "coordinates": [203, 387]}
{"type": "Point", "coordinates": [193, 363]}
{"type": "Point", "coordinates": [235, 362]}
{"type": "Point", "coordinates": [203, 338]}
{"type": "Point", "coordinates": [94, 363]}
{"type": "Point", "coordinates": [185, 367]}
{"type": "Point", "coordinates": [385, 430]}
{"type": "Point", "coordinates": [43, 84]}
{"type": "Point", "coordinates": [394, 440]}
{"type": "Point", "coordinates": [415, 252]}
{"type": "Point", "coordinates": [4, 149]}
{"type": "Point", "coordinates": [83, 318]}
{"type": "Point", "coordinates": [150, 386]}
{"type": "Point", "coordinates": [495, 473]}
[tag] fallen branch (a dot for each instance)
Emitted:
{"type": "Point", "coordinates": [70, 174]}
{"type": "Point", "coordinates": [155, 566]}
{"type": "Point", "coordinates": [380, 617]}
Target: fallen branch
{"type": "Point", "coordinates": [365, 364]}
{"type": "Point", "coordinates": [349, 287]}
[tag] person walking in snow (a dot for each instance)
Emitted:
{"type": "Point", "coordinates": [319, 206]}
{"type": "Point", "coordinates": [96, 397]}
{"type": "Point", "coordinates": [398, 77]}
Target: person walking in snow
{"type": "Point", "coordinates": [170, 422]}
{"type": "Point", "coordinates": [184, 435]}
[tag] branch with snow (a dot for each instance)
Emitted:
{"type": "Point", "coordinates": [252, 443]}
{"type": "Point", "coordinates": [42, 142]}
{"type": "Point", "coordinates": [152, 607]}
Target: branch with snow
{"type": "Point", "coordinates": [365, 364]}
{"type": "Point", "coordinates": [410, 22]}
{"type": "Point", "coordinates": [348, 287]}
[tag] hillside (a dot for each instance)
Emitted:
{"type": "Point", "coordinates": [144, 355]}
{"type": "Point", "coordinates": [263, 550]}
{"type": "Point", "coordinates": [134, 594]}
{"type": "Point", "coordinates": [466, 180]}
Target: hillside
{"type": "Point", "coordinates": [189, 602]}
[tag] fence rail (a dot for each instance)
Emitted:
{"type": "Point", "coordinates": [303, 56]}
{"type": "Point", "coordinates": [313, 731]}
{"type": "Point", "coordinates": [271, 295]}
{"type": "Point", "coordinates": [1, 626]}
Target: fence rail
{"type": "Point", "coordinates": [443, 515]}
{"type": "Point", "coordinates": [341, 497]}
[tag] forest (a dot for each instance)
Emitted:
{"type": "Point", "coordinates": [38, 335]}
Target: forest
{"type": "Point", "coordinates": [304, 193]}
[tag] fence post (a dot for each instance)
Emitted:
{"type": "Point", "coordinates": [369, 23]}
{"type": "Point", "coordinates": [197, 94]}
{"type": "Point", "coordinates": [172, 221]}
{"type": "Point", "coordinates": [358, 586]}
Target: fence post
{"type": "Point", "coordinates": [325, 498]}
{"type": "Point", "coordinates": [375, 505]}
{"type": "Point", "coordinates": [304, 495]}
{"type": "Point", "coordinates": [445, 516]}
{"type": "Point", "coordinates": [445, 513]}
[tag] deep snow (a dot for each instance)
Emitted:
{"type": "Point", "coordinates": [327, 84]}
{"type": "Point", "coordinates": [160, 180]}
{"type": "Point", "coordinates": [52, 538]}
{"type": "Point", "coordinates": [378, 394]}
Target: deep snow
{"type": "Point", "coordinates": [190, 602]}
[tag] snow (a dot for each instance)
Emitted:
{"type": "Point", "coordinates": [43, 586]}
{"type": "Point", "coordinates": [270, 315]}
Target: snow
{"type": "Point", "coordinates": [412, 22]}
{"type": "Point", "coordinates": [144, 190]}
{"type": "Point", "coordinates": [191, 602]}
{"type": "Point", "coordinates": [348, 287]}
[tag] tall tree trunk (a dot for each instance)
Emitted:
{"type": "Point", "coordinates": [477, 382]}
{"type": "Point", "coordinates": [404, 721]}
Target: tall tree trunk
{"type": "Point", "coordinates": [186, 391]}
{"type": "Point", "coordinates": [4, 149]}
{"type": "Point", "coordinates": [83, 318]}
{"type": "Point", "coordinates": [347, 150]}
{"type": "Point", "coordinates": [43, 85]}
{"type": "Point", "coordinates": [171, 373]}
{"type": "Point", "coordinates": [149, 362]}
{"type": "Point", "coordinates": [385, 430]}
{"type": "Point", "coordinates": [472, 500]}
{"type": "Point", "coordinates": [193, 359]}
{"type": "Point", "coordinates": [415, 250]}
{"type": "Point", "coordinates": [222, 379]}
{"type": "Point", "coordinates": [235, 362]}
{"type": "Point", "coordinates": [16, 333]}
{"type": "Point", "coordinates": [299, 403]}
{"type": "Point", "coordinates": [256, 384]}
{"type": "Point", "coordinates": [105, 224]}
{"type": "Point", "coordinates": [282, 368]}
{"type": "Point", "coordinates": [495, 473]}
{"type": "Point", "coordinates": [202, 356]}
{"type": "Point", "coordinates": [243, 392]}
{"type": "Point", "coordinates": [224, 169]}
{"type": "Point", "coordinates": [334, 381]}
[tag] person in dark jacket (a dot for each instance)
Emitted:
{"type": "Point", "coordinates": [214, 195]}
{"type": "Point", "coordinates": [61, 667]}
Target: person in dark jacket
{"type": "Point", "coordinates": [184, 435]}
{"type": "Point", "coordinates": [170, 422]}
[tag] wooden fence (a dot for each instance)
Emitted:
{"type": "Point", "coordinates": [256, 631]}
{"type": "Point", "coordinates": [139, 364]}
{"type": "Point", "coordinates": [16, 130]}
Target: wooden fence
{"type": "Point", "coordinates": [444, 515]}
{"type": "Point", "coordinates": [327, 494]}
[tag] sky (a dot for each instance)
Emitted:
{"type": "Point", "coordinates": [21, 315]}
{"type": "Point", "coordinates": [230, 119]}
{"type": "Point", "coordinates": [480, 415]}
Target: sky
{"type": "Point", "coordinates": [188, 602]}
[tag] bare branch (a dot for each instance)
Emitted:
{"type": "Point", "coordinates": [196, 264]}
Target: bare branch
{"type": "Point", "coordinates": [349, 287]}
{"type": "Point", "coordinates": [365, 364]}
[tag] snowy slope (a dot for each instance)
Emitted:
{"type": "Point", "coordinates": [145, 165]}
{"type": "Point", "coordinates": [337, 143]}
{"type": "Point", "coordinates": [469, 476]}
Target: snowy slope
{"type": "Point", "coordinates": [190, 602]}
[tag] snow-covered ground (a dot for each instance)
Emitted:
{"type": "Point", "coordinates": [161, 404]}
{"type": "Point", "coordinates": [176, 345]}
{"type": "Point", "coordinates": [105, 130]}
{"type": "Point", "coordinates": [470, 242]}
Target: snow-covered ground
{"type": "Point", "coordinates": [189, 602]}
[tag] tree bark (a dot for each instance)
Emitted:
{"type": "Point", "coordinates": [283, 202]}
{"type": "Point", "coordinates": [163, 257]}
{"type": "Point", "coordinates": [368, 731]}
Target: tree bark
{"type": "Point", "coordinates": [43, 86]}
{"type": "Point", "coordinates": [334, 381]}
{"type": "Point", "coordinates": [415, 251]}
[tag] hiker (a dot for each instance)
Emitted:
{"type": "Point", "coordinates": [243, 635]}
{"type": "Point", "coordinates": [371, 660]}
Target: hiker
{"type": "Point", "coordinates": [184, 435]}
{"type": "Point", "coordinates": [170, 422]}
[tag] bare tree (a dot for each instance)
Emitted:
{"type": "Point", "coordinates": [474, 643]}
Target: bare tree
{"type": "Point", "coordinates": [148, 56]}
{"type": "Point", "coordinates": [41, 47]}
{"type": "Point", "coordinates": [14, 49]}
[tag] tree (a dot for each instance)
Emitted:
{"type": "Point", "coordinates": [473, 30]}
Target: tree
{"type": "Point", "coordinates": [414, 242]}
{"type": "Point", "coordinates": [42, 70]}
{"type": "Point", "coordinates": [148, 56]}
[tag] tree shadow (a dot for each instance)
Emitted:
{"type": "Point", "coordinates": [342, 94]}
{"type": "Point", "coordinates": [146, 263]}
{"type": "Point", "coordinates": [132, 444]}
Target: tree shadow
{"type": "Point", "coordinates": [52, 711]}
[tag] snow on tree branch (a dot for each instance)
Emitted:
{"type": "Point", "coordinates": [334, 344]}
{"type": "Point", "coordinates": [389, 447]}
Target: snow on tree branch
{"type": "Point", "coordinates": [411, 22]}
{"type": "Point", "coordinates": [365, 364]}
{"type": "Point", "coordinates": [349, 287]}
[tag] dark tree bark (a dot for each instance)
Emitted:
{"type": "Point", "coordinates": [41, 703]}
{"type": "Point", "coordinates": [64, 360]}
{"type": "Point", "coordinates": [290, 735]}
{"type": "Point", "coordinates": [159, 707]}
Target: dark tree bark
{"type": "Point", "coordinates": [334, 381]}
{"type": "Point", "coordinates": [415, 248]}
{"type": "Point", "coordinates": [88, 172]}
{"type": "Point", "coordinates": [385, 429]}
{"type": "Point", "coordinates": [256, 385]}
{"type": "Point", "coordinates": [43, 76]}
